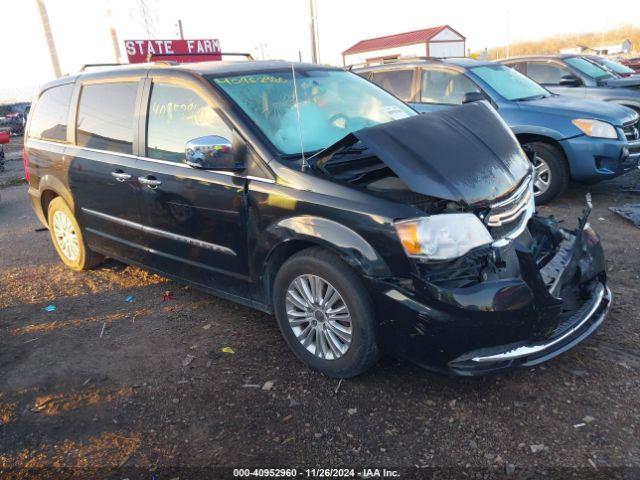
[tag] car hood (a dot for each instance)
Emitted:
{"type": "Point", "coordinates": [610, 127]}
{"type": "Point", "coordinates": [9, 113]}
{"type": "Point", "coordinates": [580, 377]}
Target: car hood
{"type": "Point", "coordinates": [465, 154]}
{"type": "Point", "coordinates": [580, 108]}
{"type": "Point", "coordinates": [624, 82]}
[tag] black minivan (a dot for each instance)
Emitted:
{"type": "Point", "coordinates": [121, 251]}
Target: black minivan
{"type": "Point", "coordinates": [310, 193]}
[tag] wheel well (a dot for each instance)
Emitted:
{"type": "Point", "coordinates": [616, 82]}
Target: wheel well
{"type": "Point", "coordinates": [278, 257]}
{"type": "Point", "coordinates": [45, 199]}
{"type": "Point", "coordinates": [525, 138]}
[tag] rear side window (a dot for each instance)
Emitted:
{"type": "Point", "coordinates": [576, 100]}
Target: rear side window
{"type": "Point", "coordinates": [106, 116]}
{"type": "Point", "coordinates": [397, 82]}
{"type": "Point", "coordinates": [49, 118]}
{"type": "Point", "coordinates": [518, 67]}
{"type": "Point", "coordinates": [546, 73]}
{"type": "Point", "coordinates": [177, 115]}
{"type": "Point", "coordinates": [445, 87]}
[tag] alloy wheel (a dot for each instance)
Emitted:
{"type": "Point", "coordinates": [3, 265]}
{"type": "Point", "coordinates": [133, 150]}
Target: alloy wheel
{"type": "Point", "coordinates": [542, 181]}
{"type": "Point", "coordinates": [66, 236]}
{"type": "Point", "coordinates": [319, 317]}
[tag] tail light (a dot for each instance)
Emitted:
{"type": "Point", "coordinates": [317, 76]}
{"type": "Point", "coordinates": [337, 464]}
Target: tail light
{"type": "Point", "coordinates": [25, 163]}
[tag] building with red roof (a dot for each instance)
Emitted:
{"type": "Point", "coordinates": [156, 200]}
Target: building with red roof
{"type": "Point", "coordinates": [440, 42]}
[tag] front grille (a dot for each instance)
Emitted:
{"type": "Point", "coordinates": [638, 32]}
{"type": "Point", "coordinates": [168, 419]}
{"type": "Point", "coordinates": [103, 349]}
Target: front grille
{"type": "Point", "coordinates": [507, 215]}
{"type": "Point", "coordinates": [632, 131]}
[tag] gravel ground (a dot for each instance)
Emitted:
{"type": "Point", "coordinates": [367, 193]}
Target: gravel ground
{"type": "Point", "coordinates": [146, 385]}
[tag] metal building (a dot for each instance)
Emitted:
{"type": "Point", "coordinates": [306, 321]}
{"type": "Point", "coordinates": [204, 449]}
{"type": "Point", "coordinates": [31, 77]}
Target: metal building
{"type": "Point", "coordinates": [442, 41]}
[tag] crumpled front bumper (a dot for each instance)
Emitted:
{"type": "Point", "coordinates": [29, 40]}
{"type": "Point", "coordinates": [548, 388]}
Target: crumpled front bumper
{"type": "Point", "coordinates": [505, 323]}
{"type": "Point", "coordinates": [526, 354]}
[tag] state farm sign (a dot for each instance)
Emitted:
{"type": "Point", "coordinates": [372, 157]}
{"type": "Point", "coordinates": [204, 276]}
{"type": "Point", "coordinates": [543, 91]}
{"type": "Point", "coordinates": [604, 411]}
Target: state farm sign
{"type": "Point", "coordinates": [140, 51]}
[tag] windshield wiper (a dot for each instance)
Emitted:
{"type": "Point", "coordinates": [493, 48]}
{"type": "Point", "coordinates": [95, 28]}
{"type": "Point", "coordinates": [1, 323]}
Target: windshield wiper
{"type": "Point", "coordinates": [533, 97]}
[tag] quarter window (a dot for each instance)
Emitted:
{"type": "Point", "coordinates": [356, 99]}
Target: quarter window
{"type": "Point", "coordinates": [106, 116]}
{"type": "Point", "coordinates": [176, 116]}
{"type": "Point", "coordinates": [49, 119]}
{"type": "Point", "coordinates": [439, 86]}
{"type": "Point", "coordinates": [397, 82]}
{"type": "Point", "coordinates": [546, 73]}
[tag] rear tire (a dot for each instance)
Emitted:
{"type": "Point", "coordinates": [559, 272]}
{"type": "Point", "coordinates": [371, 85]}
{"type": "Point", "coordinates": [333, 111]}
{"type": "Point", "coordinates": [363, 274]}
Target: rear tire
{"type": "Point", "coordinates": [326, 348]}
{"type": "Point", "coordinates": [552, 172]}
{"type": "Point", "coordinates": [67, 237]}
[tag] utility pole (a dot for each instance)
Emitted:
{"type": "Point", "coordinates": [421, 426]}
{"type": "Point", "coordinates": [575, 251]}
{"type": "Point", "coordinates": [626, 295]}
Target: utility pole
{"type": "Point", "coordinates": [114, 36]}
{"type": "Point", "coordinates": [46, 26]}
{"type": "Point", "coordinates": [314, 48]}
{"type": "Point", "coordinates": [507, 28]}
{"type": "Point", "coordinates": [180, 32]}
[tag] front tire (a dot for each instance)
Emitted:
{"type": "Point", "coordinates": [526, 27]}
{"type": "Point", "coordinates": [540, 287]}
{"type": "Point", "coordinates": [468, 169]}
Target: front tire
{"type": "Point", "coordinates": [67, 237]}
{"type": "Point", "coordinates": [552, 173]}
{"type": "Point", "coordinates": [325, 314]}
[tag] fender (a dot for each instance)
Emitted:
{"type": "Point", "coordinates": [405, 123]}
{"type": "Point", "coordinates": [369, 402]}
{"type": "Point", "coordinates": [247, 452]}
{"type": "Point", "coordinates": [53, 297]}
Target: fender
{"type": "Point", "coordinates": [50, 182]}
{"type": "Point", "coordinates": [354, 249]}
{"type": "Point", "coordinates": [539, 130]}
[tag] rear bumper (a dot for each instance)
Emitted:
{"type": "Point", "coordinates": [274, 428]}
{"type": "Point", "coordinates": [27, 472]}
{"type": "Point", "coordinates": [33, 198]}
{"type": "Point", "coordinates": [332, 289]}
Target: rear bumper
{"type": "Point", "coordinates": [594, 159]}
{"type": "Point", "coordinates": [500, 324]}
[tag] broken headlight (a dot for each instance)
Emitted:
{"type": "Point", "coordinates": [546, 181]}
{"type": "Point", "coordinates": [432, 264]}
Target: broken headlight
{"type": "Point", "coordinates": [442, 237]}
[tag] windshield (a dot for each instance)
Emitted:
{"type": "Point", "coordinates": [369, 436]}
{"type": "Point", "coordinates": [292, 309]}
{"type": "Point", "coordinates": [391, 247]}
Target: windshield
{"type": "Point", "coordinates": [588, 68]}
{"type": "Point", "coordinates": [332, 104]}
{"type": "Point", "coordinates": [509, 83]}
{"type": "Point", "coordinates": [615, 66]}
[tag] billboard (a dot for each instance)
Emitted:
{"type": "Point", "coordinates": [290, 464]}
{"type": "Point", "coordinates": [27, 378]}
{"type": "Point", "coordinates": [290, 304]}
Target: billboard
{"type": "Point", "coordinates": [203, 50]}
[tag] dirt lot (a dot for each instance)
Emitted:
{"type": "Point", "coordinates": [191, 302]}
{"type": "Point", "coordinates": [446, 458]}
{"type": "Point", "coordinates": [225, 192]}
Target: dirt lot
{"type": "Point", "coordinates": [106, 382]}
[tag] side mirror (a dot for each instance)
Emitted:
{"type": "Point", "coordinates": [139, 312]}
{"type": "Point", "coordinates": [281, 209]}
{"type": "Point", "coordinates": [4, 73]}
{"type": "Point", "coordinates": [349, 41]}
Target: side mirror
{"type": "Point", "coordinates": [211, 153]}
{"type": "Point", "coordinates": [4, 137]}
{"type": "Point", "coordinates": [569, 81]}
{"type": "Point", "coordinates": [471, 97]}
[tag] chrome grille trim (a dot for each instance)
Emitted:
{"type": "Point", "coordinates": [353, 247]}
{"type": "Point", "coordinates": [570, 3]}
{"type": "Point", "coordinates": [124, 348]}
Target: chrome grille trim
{"type": "Point", "coordinates": [508, 210]}
{"type": "Point", "coordinates": [513, 213]}
{"type": "Point", "coordinates": [632, 130]}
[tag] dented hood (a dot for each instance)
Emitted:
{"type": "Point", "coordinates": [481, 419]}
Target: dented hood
{"type": "Point", "coordinates": [465, 154]}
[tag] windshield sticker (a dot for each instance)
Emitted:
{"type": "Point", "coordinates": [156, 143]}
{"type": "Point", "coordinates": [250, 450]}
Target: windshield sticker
{"type": "Point", "coordinates": [250, 79]}
{"type": "Point", "coordinates": [394, 112]}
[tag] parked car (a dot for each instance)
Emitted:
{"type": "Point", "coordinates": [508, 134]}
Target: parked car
{"type": "Point", "coordinates": [633, 63]}
{"type": "Point", "coordinates": [4, 139]}
{"type": "Point", "coordinates": [576, 76]}
{"type": "Point", "coordinates": [611, 66]}
{"type": "Point", "coordinates": [572, 138]}
{"type": "Point", "coordinates": [310, 193]}
{"type": "Point", "coordinates": [14, 116]}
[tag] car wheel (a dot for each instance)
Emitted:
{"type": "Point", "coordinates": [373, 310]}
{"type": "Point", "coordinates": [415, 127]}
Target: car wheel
{"type": "Point", "coordinates": [325, 314]}
{"type": "Point", "coordinates": [551, 172]}
{"type": "Point", "coordinates": [67, 237]}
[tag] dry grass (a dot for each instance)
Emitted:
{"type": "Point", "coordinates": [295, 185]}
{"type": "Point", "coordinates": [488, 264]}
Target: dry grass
{"type": "Point", "coordinates": [62, 402]}
{"type": "Point", "coordinates": [567, 40]}
{"type": "Point", "coordinates": [108, 449]}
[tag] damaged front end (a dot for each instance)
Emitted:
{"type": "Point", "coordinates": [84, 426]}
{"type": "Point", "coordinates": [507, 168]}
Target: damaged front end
{"type": "Point", "coordinates": [500, 306]}
{"type": "Point", "coordinates": [493, 285]}
{"type": "Point", "coordinates": [564, 272]}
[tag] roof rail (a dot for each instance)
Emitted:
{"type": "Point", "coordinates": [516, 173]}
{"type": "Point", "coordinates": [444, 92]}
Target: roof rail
{"type": "Point", "coordinates": [150, 56]}
{"type": "Point", "coordinates": [98, 65]}
{"type": "Point", "coordinates": [391, 60]}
